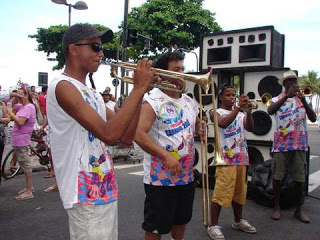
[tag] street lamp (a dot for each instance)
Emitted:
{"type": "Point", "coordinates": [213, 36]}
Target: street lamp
{"type": "Point", "coordinates": [80, 5]}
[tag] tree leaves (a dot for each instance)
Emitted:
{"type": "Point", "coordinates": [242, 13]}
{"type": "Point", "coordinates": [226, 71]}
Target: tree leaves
{"type": "Point", "coordinates": [167, 22]}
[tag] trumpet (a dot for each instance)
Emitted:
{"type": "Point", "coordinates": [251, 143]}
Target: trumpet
{"type": "Point", "coordinates": [306, 91]}
{"type": "Point", "coordinates": [265, 100]}
{"type": "Point", "coordinates": [203, 80]}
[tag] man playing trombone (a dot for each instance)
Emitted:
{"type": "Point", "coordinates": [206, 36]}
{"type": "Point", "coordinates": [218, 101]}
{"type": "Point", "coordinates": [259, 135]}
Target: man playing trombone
{"type": "Point", "coordinates": [290, 142]}
{"type": "Point", "coordinates": [165, 132]}
{"type": "Point", "coordinates": [231, 183]}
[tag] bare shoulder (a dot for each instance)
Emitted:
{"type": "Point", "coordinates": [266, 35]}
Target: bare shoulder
{"type": "Point", "coordinates": [68, 95]}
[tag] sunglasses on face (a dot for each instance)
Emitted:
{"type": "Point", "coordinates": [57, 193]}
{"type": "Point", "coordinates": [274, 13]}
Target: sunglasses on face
{"type": "Point", "coordinates": [96, 47]}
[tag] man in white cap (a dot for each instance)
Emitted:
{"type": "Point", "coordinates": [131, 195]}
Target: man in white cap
{"type": "Point", "coordinates": [82, 127]}
{"type": "Point", "coordinates": [290, 142]}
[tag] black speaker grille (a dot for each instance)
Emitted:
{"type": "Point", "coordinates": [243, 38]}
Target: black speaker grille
{"type": "Point", "coordinates": [205, 99]}
{"type": "Point", "coordinates": [262, 123]}
{"type": "Point", "coordinates": [255, 158]}
{"type": "Point", "coordinates": [210, 148]}
{"type": "Point", "coordinates": [269, 84]}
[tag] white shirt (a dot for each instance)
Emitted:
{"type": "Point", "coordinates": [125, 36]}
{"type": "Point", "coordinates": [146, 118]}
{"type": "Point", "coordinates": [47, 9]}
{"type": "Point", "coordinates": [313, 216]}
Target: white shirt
{"type": "Point", "coordinates": [110, 105]}
{"type": "Point", "coordinates": [83, 166]}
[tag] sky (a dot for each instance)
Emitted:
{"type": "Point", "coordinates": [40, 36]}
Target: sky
{"type": "Point", "coordinates": [299, 21]}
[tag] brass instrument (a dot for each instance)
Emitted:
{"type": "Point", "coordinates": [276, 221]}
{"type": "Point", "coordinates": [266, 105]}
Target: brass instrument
{"type": "Point", "coordinates": [202, 80]}
{"type": "Point", "coordinates": [265, 99]}
{"type": "Point", "coordinates": [254, 105]}
{"type": "Point", "coordinates": [218, 155]}
{"type": "Point", "coordinates": [306, 91]}
{"type": "Point", "coordinates": [205, 81]}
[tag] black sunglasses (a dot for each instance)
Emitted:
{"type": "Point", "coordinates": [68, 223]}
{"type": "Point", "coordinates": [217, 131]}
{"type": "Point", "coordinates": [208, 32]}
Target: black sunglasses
{"type": "Point", "coordinates": [96, 47]}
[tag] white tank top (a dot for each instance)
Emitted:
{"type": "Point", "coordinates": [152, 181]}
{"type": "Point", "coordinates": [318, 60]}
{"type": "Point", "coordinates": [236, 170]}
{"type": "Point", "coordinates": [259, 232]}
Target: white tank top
{"type": "Point", "coordinates": [83, 165]}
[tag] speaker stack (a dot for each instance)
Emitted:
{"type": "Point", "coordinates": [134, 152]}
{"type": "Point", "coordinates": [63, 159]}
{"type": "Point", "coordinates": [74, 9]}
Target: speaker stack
{"type": "Point", "coordinates": [251, 47]}
{"type": "Point", "coordinates": [256, 55]}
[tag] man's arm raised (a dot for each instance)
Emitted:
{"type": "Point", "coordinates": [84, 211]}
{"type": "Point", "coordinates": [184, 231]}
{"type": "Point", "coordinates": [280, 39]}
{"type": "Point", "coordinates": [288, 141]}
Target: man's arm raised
{"type": "Point", "coordinates": [71, 101]}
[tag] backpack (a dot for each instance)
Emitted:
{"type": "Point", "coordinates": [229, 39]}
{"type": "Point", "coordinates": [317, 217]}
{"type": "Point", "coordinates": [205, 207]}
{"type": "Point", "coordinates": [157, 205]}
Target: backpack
{"type": "Point", "coordinates": [260, 187]}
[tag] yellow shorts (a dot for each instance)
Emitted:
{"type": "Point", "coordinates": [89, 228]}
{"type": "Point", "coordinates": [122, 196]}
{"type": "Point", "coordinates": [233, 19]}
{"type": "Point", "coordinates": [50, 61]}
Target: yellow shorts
{"type": "Point", "coordinates": [231, 185]}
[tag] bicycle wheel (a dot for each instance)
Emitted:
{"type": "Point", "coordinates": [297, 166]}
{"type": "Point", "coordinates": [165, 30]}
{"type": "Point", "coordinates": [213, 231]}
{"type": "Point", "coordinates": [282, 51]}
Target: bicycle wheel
{"type": "Point", "coordinates": [7, 171]}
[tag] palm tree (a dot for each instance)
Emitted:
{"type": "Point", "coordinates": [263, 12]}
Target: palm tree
{"type": "Point", "coordinates": [311, 79]}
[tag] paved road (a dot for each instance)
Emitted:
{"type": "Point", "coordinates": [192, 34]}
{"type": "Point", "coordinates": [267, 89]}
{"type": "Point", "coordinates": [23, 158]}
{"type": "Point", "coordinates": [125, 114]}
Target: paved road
{"type": "Point", "coordinates": [44, 217]}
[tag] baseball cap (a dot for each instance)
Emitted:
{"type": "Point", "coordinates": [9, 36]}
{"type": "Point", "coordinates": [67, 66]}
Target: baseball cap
{"type": "Point", "coordinates": [82, 31]}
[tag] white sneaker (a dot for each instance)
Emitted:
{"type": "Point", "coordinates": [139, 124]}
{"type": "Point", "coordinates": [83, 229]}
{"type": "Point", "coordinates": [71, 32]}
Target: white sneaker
{"type": "Point", "coordinates": [215, 232]}
{"type": "Point", "coordinates": [244, 226]}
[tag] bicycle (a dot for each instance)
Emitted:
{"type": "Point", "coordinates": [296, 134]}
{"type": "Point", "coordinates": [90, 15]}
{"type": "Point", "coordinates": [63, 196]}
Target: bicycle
{"type": "Point", "coordinates": [41, 150]}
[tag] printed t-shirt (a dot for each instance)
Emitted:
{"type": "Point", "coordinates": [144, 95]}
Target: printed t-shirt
{"type": "Point", "coordinates": [173, 130]}
{"type": "Point", "coordinates": [291, 127]}
{"type": "Point", "coordinates": [232, 140]}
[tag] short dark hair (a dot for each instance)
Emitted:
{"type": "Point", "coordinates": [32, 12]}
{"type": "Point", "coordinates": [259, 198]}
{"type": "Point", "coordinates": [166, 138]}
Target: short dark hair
{"type": "Point", "coordinates": [44, 88]}
{"type": "Point", "coordinates": [223, 88]}
{"type": "Point", "coordinates": [163, 60]}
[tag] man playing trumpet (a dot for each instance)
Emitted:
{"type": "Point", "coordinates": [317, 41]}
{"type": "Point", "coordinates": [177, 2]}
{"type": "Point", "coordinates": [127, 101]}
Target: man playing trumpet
{"type": "Point", "coordinates": [231, 183]}
{"type": "Point", "coordinates": [81, 130]}
{"type": "Point", "coordinates": [290, 142]}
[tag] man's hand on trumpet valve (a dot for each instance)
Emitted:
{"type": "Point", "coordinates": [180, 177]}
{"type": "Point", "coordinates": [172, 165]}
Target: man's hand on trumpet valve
{"type": "Point", "coordinates": [293, 91]}
{"type": "Point", "coordinates": [144, 75]}
{"type": "Point", "coordinates": [243, 101]}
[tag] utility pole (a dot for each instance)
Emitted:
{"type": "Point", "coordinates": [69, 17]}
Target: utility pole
{"type": "Point", "coordinates": [124, 44]}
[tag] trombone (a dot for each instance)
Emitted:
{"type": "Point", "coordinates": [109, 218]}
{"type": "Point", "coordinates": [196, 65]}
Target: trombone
{"type": "Point", "coordinates": [205, 81]}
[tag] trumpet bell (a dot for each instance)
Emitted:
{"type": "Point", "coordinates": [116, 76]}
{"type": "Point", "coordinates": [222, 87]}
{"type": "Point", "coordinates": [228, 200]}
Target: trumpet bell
{"type": "Point", "coordinates": [266, 99]}
{"type": "Point", "coordinates": [307, 91]}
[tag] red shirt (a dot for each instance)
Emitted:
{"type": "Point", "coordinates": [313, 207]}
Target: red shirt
{"type": "Point", "coordinates": [42, 103]}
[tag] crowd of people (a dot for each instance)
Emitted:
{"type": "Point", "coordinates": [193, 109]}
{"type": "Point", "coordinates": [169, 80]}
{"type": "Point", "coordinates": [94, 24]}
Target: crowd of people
{"type": "Point", "coordinates": [82, 123]}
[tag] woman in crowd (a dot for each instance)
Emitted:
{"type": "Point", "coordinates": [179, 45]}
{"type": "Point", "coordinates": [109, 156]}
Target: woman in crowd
{"type": "Point", "coordinates": [24, 121]}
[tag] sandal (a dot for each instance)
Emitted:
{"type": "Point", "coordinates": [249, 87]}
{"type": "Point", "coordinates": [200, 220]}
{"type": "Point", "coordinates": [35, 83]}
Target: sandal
{"type": "Point", "coordinates": [23, 190]}
{"type": "Point", "coordinates": [51, 189]}
{"type": "Point", "coordinates": [49, 175]}
{"type": "Point", "coordinates": [24, 197]}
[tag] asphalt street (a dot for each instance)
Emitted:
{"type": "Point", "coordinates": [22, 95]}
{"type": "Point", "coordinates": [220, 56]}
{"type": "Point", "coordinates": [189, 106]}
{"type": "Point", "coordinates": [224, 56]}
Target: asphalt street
{"type": "Point", "coordinates": [44, 217]}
